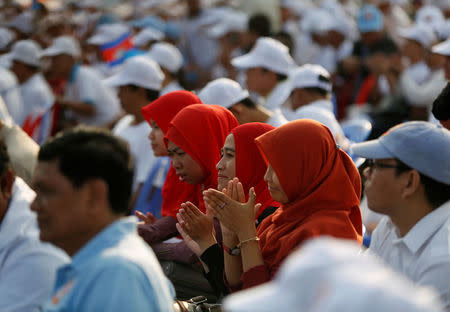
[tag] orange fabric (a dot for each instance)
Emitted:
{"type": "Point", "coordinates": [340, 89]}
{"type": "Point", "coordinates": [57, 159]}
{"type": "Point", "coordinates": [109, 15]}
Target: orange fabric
{"type": "Point", "coordinates": [161, 111]}
{"type": "Point", "coordinates": [364, 92]}
{"type": "Point", "coordinates": [250, 165]}
{"type": "Point", "coordinates": [322, 184]}
{"type": "Point", "coordinates": [200, 131]}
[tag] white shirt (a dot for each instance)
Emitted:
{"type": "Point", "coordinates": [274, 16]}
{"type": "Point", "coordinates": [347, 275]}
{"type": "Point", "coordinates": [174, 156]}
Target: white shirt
{"type": "Point", "coordinates": [423, 254]}
{"type": "Point", "coordinates": [277, 119]}
{"type": "Point", "coordinates": [86, 86]}
{"type": "Point", "coordinates": [10, 92]}
{"type": "Point", "coordinates": [27, 266]}
{"type": "Point", "coordinates": [277, 96]}
{"type": "Point", "coordinates": [37, 96]}
{"type": "Point", "coordinates": [172, 86]}
{"type": "Point", "coordinates": [137, 138]}
{"type": "Point", "coordinates": [418, 72]}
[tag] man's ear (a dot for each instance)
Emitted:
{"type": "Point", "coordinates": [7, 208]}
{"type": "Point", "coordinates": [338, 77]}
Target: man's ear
{"type": "Point", "coordinates": [411, 183]}
{"type": "Point", "coordinates": [6, 183]}
{"type": "Point", "coordinates": [98, 195]}
{"type": "Point", "coordinates": [237, 108]}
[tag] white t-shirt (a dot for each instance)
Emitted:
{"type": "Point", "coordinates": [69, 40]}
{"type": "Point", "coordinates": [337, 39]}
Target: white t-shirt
{"type": "Point", "coordinates": [137, 138]}
{"type": "Point", "coordinates": [10, 92]}
{"type": "Point", "coordinates": [86, 86]}
{"type": "Point", "coordinates": [277, 119]}
{"type": "Point", "coordinates": [278, 96]}
{"type": "Point", "coordinates": [172, 86]}
{"type": "Point", "coordinates": [36, 95]}
{"type": "Point", "coordinates": [423, 254]}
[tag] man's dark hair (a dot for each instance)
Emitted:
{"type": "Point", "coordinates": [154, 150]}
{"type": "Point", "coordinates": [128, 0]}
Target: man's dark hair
{"type": "Point", "coordinates": [280, 77]}
{"type": "Point", "coordinates": [437, 193]}
{"type": "Point", "coordinates": [85, 153]}
{"type": "Point", "coordinates": [151, 94]}
{"type": "Point", "coordinates": [5, 163]}
{"type": "Point", "coordinates": [248, 102]}
{"type": "Point", "coordinates": [260, 25]}
{"type": "Point", "coordinates": [319, 91]}
{"type": "Point", "coordinates": [441, 105]}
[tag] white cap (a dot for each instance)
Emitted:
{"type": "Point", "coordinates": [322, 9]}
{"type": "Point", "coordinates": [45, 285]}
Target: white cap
{"type": "Point", "coordinates": [297, 7]}
{"type": "Point", "coordinates": [22, 22]}
{"type": "Point", "coordinates": [63, 45]}
{"type": "Point", "coordinates": [224, 92]}
{"type": "Point", "coordinates": [317, 21]}
{"type": "Point", "coordinates": [331, 275]}
{"type": "Point", "coordinates": [422, 33]}
{"type": "Point", "coordinates": [146, 35]}
{"type": "Point", "coordinates": [442, 48]}
{"type": "Point", "coordinates": [108, 33]}
{"type": "Point", "coordinates": [27, 52]}
{"type": "Point", "coordinates": [231, 22]}
{"type": "Point", "coordinates": [310, 76]}
{"type": "Point", "coordinates": [430, 15]}
{"type": "Point", "coordinates": [139, 71]}
{"type": "Point", "coordinates": [6, 37]}
{"type": "Point", "coordinates": [267, 53]}
{"type": "Point", "coordinates": [167, 56]}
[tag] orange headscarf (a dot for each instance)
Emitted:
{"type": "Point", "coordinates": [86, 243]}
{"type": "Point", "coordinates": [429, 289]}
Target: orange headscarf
{"type": "Point", "coordinates": [321, 182]}
{"type": "Point", "coordinates": [250, 165]}
{"type": "Point", "coordinates": [200, 131]}
{"type": "Point", "coordinates": [161, 111]}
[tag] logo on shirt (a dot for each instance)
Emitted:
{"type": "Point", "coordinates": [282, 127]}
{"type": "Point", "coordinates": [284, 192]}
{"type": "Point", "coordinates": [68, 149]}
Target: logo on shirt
{"type": "Point", "coordinates": [64, 290]}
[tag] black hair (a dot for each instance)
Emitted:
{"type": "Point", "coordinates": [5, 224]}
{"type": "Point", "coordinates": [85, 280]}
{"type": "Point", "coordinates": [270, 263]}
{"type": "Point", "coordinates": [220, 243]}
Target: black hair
{"type": "Point", "coordinates": [248, 102]}
{"type": "Point", "coordinates": [5, 163]}
{"type": "Point", "coordinates": [286, 39]}
{"type": "Point", "coordinates": [85, 153]}
{"type": "Point", "coordinates": [441, 105]}
{"type": "Point", "coordinates": [260, 25]}
{"type": "Point", "coordinates": [280, 77]}
{"type": "Point", "coordinates": [150, 94]}
{"type": "Point", "coordinates": [316, 90]}
{"type": "Point", "coordinates": [437, 193]}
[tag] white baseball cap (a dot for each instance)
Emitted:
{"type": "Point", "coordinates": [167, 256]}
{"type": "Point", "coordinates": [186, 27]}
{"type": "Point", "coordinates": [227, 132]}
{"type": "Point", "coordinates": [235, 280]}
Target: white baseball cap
{"type": "Point", "coordinates": [328, 274]}
{"type": "Point", "coordinates": [139, 71]}
{"type": "Point", "coordinates": [231, 22]}
{"type": "Point", "coordinates": [310, 76]}
{"type": "Point", "coordinates": [442, 48]}
{"type": "Point", "coordinates": [6, 37]}
{"type": "Point", "coordinates": [224, 92]}
{"type": "Point", "coordinates": [421, 33]}
{"type": "Point", "coordinates": [108, 33]}
{"type": "Point", "coordinates": [267, 53]}
{"type": "Point", "coordinates": [167, 56]}
{"type": "Point", "coordinates": [146, 35]}
{"type": "Point", "coordinates": [27, 52]}
{"type": "Point", "coordinates": [430, 15]}
{"type": "Point", "coordinates": [22, 22]}
{"type": "Point", "coordinates": [63, 45]}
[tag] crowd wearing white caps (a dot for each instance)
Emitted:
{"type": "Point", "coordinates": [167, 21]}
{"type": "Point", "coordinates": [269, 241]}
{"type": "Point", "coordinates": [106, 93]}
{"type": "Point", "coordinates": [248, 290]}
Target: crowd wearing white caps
{"type": "Point", "coordinates": [375, 73]}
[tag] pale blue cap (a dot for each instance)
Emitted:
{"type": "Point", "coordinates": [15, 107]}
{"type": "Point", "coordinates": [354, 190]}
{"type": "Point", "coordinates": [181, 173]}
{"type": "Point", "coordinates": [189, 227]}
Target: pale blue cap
{"type": "Point", "coordinates": [420, 145]}
{"type": "Point", "coordinates": [370, 18]}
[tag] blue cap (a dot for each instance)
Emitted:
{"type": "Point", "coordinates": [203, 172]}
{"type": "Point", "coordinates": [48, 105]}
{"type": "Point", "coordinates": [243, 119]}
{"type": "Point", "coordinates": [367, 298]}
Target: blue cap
{"type": "Point", "coordinates": [370, 18]}
{"type": "Point", "coordinates": [420, 145]}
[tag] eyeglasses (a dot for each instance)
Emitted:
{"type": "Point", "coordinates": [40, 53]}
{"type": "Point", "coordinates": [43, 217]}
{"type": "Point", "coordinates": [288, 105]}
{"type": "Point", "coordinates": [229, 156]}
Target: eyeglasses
{"type": "Point", "coordinates": [372, 164]}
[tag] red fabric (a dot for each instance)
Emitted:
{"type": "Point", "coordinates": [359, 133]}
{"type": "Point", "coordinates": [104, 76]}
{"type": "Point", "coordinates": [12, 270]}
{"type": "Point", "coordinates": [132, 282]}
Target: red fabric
{"type": "Point", "coordinates": [161, 111]}
{"type": "Point", "coordinates": [250, 165]}
{"type": "Point", "coordinates": [200, 131]}
{"type": "Point", "coordinates": [364, 92]}
{"type": "Point", "coordinates": [322, 184]}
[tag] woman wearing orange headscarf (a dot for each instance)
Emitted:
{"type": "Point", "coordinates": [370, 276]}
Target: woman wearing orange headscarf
{"type": "Point", "coordinates": [319, 190]}
{"type": "Point", "coordinates": [158, 114]}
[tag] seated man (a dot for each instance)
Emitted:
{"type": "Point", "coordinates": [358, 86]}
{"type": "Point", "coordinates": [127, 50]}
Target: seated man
{"type": "Point", "coordinates": [83, 183]}
{"type": "Point", "coordinates": [408, 179]}
{"type": "Point", "coordinates": [27, 266]}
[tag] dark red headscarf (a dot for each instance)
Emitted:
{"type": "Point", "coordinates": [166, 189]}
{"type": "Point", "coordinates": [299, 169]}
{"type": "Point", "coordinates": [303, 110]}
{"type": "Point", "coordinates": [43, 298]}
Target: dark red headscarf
{"type": "Point", "coordinates": [250, 165]}
{"type": "Point", "coordinates": [321, 182]}
{"type": "Point", "coordinates": [200, 131]}
{"type": "Point", "coordinates": [161, 111]}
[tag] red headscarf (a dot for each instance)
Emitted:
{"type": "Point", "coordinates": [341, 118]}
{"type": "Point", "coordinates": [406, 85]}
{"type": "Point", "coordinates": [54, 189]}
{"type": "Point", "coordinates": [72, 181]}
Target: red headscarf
{"type": "Point", "coordinates": [161, 111]}
{"type": "Point", "coordinates": [321, 182]}
{"type": "Point", "coordinates": [200, 131]}
{"type": "Point", "coordinates": [250, 165]}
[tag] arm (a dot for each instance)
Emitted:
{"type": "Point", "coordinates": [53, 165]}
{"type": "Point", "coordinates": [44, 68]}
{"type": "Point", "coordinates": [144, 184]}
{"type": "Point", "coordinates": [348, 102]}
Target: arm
{"type": "Point", "coordinates": [82, 108]}
{"type": "Point", "coordinates": [178, 252]}
{"type": "Point", "coordinates": [159, 231]}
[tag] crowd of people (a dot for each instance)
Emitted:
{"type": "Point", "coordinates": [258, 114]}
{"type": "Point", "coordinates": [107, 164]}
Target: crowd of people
{"type": "Point", "coordinates": [267, 155]}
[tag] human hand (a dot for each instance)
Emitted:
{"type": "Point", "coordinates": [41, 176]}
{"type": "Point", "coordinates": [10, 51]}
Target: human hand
{"type": "Point", "coordinates": [149, 218]}
{"type": "Point", "coordinates": [196, 228]}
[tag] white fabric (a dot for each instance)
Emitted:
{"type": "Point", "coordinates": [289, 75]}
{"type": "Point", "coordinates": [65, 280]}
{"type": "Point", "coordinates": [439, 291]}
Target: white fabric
{"type": "Point", "coordinates": [37, 96]}
{"type": "Point", "coordinates": [278, 96]}
{"type": "Point", "coordinates": [139, 71]}
{"type": "Point", "coordinates": [108, 33]}
{"type": "Point", "coordinates": [63, 45]}
{"type": "Point", "coordinates": [418, 72]}
{"type": "Point", "coordinates": [421, 33]}
{"type": "Point", "coordinates": [277, 119]}
{"type": "Point", "coordinates": [170, 87]}
{"type": "Point", "coordinates": [5, 117]}
{"type": "Point", "coordinates": [224, 92]}
{"type": "Point", "coordinates": [137, 138]}
{"type": "Point", "coordinates": [307, 76]}
{"type": "Point", "coordinates": [231, 22]}
{"type": "Point", "coordinates": [88, 87]}
{"type": "Point", "coordinates": [442, 48]}
{"type": "Point", "coordinates": [423, 254]}
{"type": "Point", "coordinates": [167, 56]}
{"type": "Point", "coordinates": [27, 266]}
{"type": "Point", "coordinates": [27, 52]}
{"type": "Point", "coordinates": [327, 274]}
{"type": "Point", "coordinates": [10, 92]}
{"type": "Point", "coordinates": [147, 35]}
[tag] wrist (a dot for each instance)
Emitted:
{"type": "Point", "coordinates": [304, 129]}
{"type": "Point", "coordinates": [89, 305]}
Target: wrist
{"type": "Point", "coordinates": [247, 233]}
{"type": "Point", "coordinates": [205, 244]}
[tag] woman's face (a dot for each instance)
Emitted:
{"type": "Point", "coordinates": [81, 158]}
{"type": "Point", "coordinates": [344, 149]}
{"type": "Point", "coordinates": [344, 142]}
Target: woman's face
{"type": "Point", "coordinates": [227, 164]}
{"type": "Point", "coordinates": [274, 185]}
{"type": "Point", "coordinates": [185, 167]}
{"type": "Point", "coordinates": [156, 138]}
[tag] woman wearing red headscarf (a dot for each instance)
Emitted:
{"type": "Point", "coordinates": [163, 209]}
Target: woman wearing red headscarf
{"type": "Point", "coordinates": [242, 159]}
{"type": "Point", "coordinates": [194, 139]}
{"type": "Point", "coordinates": [318, 187]}
{"type": "Point", "coordinates": [158, 114]}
